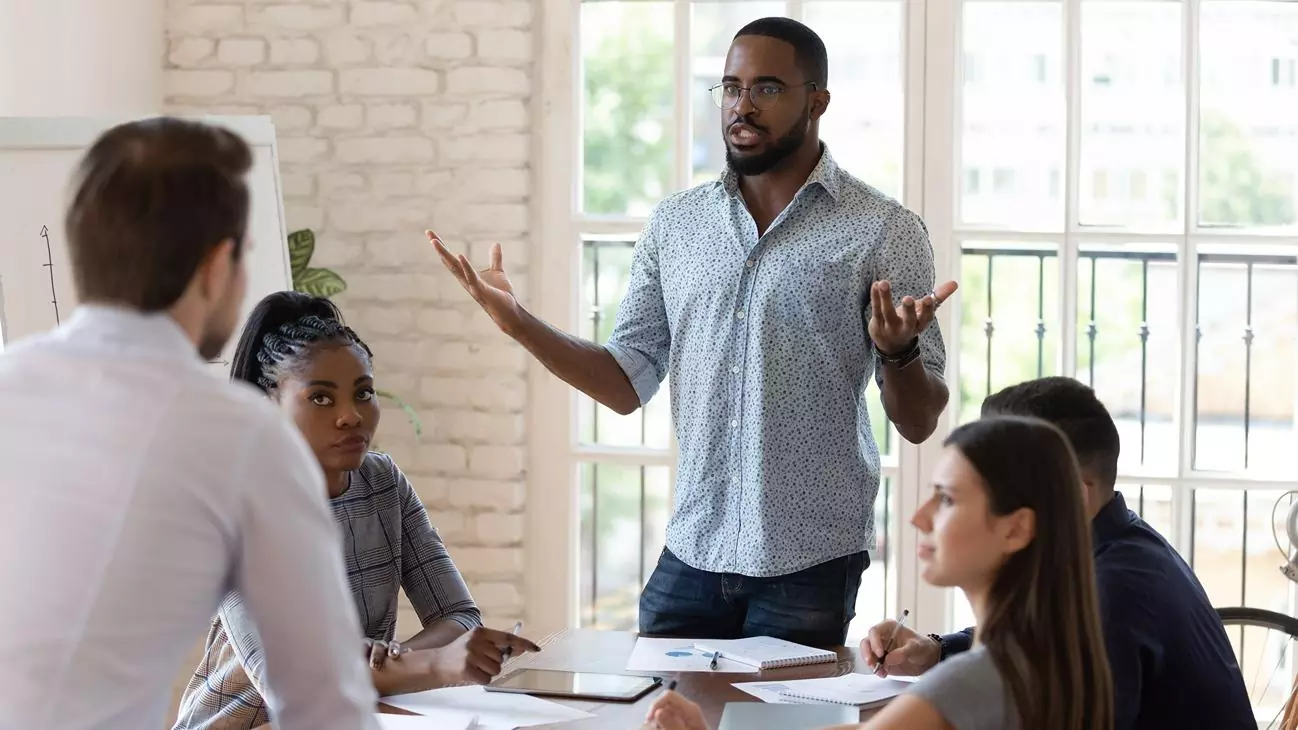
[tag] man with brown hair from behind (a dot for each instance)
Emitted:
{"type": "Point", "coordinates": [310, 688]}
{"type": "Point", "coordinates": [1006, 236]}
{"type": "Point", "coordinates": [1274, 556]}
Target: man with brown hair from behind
{"type": "Point", "coordinates": [138, 489]}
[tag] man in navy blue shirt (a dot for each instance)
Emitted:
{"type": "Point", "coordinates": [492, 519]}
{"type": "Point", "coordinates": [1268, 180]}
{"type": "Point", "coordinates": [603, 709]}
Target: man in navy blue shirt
{"type": "Point", "coordinates": [1172, 665]}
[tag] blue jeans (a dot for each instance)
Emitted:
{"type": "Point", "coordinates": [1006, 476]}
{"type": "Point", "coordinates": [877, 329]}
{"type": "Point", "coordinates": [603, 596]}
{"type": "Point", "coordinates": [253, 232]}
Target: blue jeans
{"type": "Point", "coordinates": [811, 607]}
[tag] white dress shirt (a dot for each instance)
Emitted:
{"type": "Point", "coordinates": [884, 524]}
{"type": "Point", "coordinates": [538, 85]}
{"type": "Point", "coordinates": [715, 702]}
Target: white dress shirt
{"type": "Point", "coordinates": [136, 490]}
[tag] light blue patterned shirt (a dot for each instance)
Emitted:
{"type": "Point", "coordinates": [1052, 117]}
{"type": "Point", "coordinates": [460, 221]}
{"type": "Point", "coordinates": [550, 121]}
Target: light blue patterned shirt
{"type": "Point", "coordinates": [765, 342]}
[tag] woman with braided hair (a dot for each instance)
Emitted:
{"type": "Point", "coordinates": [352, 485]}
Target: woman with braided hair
{"type": "Point", "coordinates": [298, 351]}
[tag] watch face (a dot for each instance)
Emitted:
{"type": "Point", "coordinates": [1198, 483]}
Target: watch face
{"type": "Point", "coordinates": [941, 646]}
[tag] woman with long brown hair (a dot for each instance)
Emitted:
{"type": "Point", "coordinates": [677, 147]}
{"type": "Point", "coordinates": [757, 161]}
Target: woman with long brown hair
{"type": "Point", "coordinates": [1006, 524]}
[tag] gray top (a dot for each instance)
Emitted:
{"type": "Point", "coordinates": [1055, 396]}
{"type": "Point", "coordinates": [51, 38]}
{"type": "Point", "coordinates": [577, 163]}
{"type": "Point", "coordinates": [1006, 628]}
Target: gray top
{"type": "Point", "coordinates": [968, 691]}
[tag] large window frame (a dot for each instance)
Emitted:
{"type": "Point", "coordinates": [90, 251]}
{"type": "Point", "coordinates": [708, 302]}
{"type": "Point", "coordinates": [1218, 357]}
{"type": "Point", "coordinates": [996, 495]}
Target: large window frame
{"type": "Point", "coordinates": [942, 171]}
{"type": "Point", "coordinates": [556, 450]}
{"type": "Point", "coordinates": [932, 47]}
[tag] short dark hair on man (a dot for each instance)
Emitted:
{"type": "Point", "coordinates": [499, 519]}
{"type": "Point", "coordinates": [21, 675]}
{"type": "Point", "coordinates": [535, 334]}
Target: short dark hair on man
{"type": "Point", "coordinates": [808, 49]}
{"type": "Point", "coordinates": [152, 198]}
{"type": "Point", "coordinates": [1073, 408]}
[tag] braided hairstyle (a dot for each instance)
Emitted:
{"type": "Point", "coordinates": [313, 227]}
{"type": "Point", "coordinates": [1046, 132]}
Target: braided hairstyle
{"type": "Point", "coordinates": [282, 333]}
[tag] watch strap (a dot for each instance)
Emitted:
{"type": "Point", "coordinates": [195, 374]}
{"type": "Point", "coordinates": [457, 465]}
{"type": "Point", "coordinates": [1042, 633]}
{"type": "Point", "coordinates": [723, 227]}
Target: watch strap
{"type": "Point", "coordinates": [901, 359]}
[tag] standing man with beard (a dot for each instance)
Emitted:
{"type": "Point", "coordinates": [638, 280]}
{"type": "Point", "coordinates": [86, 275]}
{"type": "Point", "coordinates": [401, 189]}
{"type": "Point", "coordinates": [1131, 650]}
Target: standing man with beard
{"type": "Point", "coordinates": [138, 488]}
{"type": "Point", "coordinates": [770, 296]}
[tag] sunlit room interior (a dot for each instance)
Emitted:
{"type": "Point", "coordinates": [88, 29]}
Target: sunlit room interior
{"type": "Point", "coordinates": [1112, 183]}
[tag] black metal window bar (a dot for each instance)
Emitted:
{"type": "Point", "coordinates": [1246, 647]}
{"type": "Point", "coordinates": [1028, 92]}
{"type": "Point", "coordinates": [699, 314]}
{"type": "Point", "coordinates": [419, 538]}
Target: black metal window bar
{"type": "Point", "coordinates": [1249, 262]}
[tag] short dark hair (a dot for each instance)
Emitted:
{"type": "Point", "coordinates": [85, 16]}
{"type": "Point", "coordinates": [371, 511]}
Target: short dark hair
{"type": "Point", "coordinates": [152, 199]}
{"type": "Point", "coordinates": [1073, 408]}
{"type": "Point", "coordinates": [282, 333]}
{"type": "Point", "coordinates": [808, 50]}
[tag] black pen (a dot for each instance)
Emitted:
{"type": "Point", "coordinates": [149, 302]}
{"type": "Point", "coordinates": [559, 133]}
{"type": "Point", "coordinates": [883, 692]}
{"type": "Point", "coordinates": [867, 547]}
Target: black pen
{"type": "Point", "coordinates": [509, 650]}
{"type": "Point", "coordinates": [893, 639]}
{"type": "Point", "coordinates": [715, 656]}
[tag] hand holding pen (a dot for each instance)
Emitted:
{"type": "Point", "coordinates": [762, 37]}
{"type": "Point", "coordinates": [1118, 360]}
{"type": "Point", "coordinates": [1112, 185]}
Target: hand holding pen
{"type": "Point", "coordinates": [891, 649]}
{"type": "Point", "coordinates": [671, 711]}
{"type": "Point", "coordinates": [509, 650]}
{"type": "Point", "coordinates": [477, 655]}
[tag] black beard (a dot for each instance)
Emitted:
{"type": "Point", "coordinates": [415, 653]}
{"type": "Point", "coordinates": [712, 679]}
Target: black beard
{"type": "Point", "coordinates": [759, 164]}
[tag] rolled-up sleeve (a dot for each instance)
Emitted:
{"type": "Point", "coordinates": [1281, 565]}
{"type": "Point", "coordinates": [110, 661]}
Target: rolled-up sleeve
{"type": "Point", "coordinates": [905, 260]}
{"type": "Point", "coordinates": [429, 576]}
{"type": "Point", "coordinates": [641, 339]}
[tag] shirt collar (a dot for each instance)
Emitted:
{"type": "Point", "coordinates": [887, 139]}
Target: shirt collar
{"type": "Point", "coordinates": [826, 174]}
{"type": "Point", "coordinates": [130, 330]}
{"type": "Point", "coordinates": [1110, 521]}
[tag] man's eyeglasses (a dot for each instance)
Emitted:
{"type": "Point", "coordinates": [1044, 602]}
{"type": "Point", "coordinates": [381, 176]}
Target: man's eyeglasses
{"type": "Point", "coordinates": [764, 96]}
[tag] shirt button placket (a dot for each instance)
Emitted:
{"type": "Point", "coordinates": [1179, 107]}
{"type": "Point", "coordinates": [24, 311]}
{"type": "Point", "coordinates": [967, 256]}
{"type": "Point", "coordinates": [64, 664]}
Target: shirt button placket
{"type": "Point", "coordinates": [737, 398]}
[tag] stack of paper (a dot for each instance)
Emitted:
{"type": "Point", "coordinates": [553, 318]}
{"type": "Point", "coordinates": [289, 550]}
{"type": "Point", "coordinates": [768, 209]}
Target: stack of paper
{"type": "Point", "coordinates": [493, 710]}
{"type": "Point", "coordinates": [858, 690]}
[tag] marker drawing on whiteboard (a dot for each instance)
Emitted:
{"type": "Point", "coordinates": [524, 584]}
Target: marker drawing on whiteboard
{"type": "Point", "coordinates": [49, 264]}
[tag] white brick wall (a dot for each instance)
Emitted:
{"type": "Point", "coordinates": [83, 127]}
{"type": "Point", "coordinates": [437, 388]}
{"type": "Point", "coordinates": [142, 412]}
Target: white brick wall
{"type": "Point", "coordinates": [394, 117]}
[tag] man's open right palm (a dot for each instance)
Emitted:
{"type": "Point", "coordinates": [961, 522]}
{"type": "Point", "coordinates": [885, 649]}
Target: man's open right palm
{"type": "Point", "coordinates": [489, 287]}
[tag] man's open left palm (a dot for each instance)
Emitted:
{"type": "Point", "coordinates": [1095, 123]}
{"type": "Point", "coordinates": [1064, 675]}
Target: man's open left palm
{"type": "Point", "coordinates": [893, 326]}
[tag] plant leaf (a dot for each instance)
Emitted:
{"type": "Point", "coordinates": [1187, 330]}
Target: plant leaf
{"type": "Point", "coordinates": [301, 247]}
{"type": "Point", "coordinates": [319, 283]}
{"type": "Point", "coordinates": [410, 412]}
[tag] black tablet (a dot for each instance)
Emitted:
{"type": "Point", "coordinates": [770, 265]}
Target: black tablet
{"type": "Point", "coordinates": [575, 685]}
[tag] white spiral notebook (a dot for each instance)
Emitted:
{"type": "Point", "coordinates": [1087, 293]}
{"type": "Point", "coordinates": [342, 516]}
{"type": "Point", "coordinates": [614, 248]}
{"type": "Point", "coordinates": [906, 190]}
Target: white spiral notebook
{"type": "Point", "coordinates": [858, 690]}
{"type": "Point", "coordinates": [766, 652]}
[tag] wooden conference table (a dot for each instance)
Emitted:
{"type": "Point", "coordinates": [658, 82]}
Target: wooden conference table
{"type": "Point", "coordinates": [607, 651]}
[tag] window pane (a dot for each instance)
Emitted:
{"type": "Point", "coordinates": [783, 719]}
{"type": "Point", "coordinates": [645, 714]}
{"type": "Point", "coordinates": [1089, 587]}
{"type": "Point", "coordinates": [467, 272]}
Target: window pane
{"type": "Point", "coordinates": [864, 125]}
{"type": "Point", "coordinates": [1237, 560]}
{"type": "Point", "coordinates": [877, 599]}
{"type": "Point", "coordinates": [714, 27]}
{"type": "Point", "coordinates": [1013, 114]}
{"type": "Point", "coordinates": [626, 53]}
{"type": "Point", "coordinates": [1234, 557]}
{"type": "Point", "coordinates": [606, 272]}
{"type": "Point", "coordinates": [885, 435]}
{"type": "Point", "coordinates": [1009, 324]}
{"type": "Point", "coordinates": [624, 511]}
{"type": "Point", "coordinates": [1128, 343]}
{"type": "Point", "coordinates": [1246, 363]}
{"type": "Point", "coordinates": [1133, 114]}
{"type": "Point", "coordinates": [1153, 504]}
{"type": "Point", "coordinates": [1248, 138]}
{"type": "Point", "coordinates": [962, 615]}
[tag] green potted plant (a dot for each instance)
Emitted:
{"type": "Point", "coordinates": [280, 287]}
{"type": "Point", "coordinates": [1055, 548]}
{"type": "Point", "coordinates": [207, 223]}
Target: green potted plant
{"type": "Point", "coordinates": [321, 282]}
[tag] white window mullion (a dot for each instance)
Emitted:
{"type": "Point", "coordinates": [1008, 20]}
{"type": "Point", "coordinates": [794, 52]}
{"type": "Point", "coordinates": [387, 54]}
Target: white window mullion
{"type": "Point", "coordinates": [683, 107]}
{"type": "Point", "coordinates": [936, 32]}
{"type": "Point", "coordinates": [552, 523]}
{"type": "Point", "coordinates": [915, 133]}
{"type": "Point", "coordinates": [1187, 282]}
{"type": "Point", "coordinates": [793, 9]}
{"type": "Point", "coordinates": [906, 480]}
{"type": "Point", "coordinates": [1067, 269]}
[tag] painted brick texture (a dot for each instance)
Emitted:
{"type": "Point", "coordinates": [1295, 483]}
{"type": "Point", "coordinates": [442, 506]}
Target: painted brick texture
{"type": "Point", "coordinates": [393, 117]}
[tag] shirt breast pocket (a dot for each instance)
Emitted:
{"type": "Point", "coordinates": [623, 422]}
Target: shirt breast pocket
{"type": "Point", "coordinates": [824, 287]}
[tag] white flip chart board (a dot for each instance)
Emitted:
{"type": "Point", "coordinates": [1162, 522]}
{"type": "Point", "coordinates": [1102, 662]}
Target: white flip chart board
{"type": "Point", "coordinates": [37, 160]}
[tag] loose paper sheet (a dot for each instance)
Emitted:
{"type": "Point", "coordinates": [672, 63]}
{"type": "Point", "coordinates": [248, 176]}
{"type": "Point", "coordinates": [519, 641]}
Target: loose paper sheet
{"type": "Point", "coordinates": [677, 655]}
{"type": "Point", "coordinates": [430, 720]}
{"type": "Point", "coordinates": [494, 710]}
